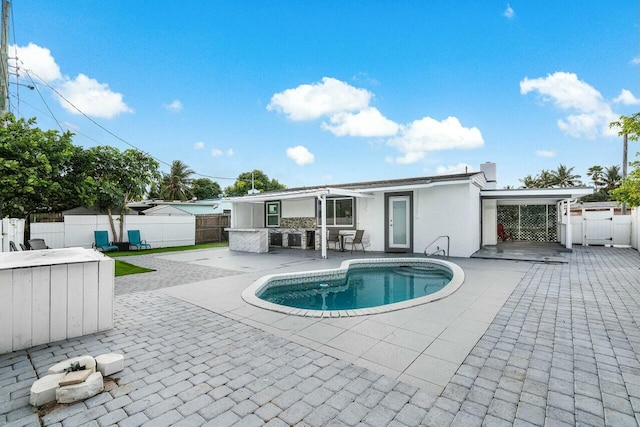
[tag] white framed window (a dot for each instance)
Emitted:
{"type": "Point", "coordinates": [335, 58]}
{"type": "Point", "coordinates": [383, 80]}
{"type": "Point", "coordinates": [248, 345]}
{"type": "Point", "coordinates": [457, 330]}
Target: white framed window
{"type": "Point", "coordinates": [273, 214]}
{"type": "Point", "coordinates": [339, 212]}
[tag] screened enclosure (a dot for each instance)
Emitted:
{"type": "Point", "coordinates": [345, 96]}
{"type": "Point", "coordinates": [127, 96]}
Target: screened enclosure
{"type": "Point", "coordinates": [529, 223]}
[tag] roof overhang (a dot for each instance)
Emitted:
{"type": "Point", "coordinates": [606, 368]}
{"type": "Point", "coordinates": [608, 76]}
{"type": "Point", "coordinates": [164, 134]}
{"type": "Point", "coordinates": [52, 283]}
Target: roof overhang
{"type": "Point", "coordinates": [535, 196]}
{"type": "Point", "coordinates": [292, 195]}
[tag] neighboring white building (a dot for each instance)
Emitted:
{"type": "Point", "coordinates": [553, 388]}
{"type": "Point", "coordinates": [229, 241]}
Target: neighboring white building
{"type": "Point", "coordinates": [403, 215]}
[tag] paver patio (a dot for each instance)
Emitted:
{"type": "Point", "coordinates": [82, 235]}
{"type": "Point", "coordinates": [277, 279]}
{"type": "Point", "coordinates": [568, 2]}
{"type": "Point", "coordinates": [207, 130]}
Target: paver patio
{"type": "Point", "coordinates": [562, 350]}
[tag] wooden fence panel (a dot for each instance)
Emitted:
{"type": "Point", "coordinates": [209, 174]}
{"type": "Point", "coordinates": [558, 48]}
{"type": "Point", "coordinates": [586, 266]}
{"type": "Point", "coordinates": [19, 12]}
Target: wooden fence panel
{"type": "Point", "coordinates": [210, 228]}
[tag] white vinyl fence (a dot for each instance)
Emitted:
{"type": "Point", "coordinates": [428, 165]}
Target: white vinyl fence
{"type": "Point", "coordinates": [77, 230]}
{"type": "Point", "coordinates": [604, 228]}
{"type": "Point", "coordinates": [635, 228]}
{"type": "Point", "coordinates": [11, 230]}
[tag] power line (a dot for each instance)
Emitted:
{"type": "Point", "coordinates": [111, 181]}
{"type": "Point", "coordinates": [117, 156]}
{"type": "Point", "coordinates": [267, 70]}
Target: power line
{"type": "Point", "coordinates": [29, 72]}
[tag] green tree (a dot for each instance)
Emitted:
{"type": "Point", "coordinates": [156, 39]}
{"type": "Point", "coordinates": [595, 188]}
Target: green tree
{"type": "Point", "coordinates": [176, 185]}
{"type": "Point", "coordinates": [261, 183]}
{"type": "Point", "coordinates": [204, 188]}
{"type": "Point", "coordinates": [40, 170]}
{"type": "Point", "coordinates": [629, 128]}
{"type": "Point", "coordinates": [629, 191]}
{"type": "Point", "coordinates": [564, 177]}
{"type": "Point", "coordinates": [596, 174]}
{"type": "Point", "coordinates": [121, 178]}
{"type": "Point", "coordinates": [611, 178]}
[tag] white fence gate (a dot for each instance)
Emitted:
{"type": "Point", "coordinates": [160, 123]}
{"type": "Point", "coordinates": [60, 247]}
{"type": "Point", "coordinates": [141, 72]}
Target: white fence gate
{"type": "Point", "coordinates": [602, 227]}
{"type": "Point", "coordinates": [11, 230]}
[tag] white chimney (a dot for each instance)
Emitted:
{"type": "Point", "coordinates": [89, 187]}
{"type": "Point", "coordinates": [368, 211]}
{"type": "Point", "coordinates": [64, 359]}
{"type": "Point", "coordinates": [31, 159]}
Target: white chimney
{"type": "Point", "coordinates": [489, 169]}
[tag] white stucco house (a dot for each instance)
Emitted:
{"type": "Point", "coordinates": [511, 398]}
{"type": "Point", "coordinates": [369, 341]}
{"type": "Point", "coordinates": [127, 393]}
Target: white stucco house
{"type": "Point", "coordinates": [459, 212]}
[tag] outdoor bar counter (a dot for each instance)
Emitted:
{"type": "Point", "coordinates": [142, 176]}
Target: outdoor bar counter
{"type": "Point", "coordinates": [254, 240]}
{"type": "Point", "coordinates": [52, 294]}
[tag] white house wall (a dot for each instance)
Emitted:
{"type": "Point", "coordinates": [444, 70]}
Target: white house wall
{"type": "Point", "coordinates": [489, 222]}
{"type": "Point", "coordinates": [451, 210]}
{"type": "Point", "coordinates": [370, 218]}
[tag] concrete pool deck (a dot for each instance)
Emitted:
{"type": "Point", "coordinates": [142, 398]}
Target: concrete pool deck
{"type": "Point", "coordinates": [551, 344]}
{"type": "Point", "coordinates": [422, 346]}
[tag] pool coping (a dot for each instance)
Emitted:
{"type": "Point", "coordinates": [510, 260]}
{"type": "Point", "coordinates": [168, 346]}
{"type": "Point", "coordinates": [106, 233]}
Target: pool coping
{"type": "Point", "coordinates": [249, 294]}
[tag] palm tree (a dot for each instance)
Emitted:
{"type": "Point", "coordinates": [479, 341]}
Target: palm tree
{"type": "Point", "coordinates": [546, 179]}
{"type": "Point", "coordinates": [595, 173]}
{"type": "Point", "coordinates": [564, 177]}
{"type": "Point", "coordinates": [611, 178]}
{"type": "Point", "coordinates": [176, 185]}
{"type": "Point", "coordinates": [530, 182]}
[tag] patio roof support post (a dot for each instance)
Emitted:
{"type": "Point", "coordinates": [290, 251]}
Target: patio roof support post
{"type": "Point", "coordinates": [323, 225]}
{"type": "Point", "coordinates": [569, 236]}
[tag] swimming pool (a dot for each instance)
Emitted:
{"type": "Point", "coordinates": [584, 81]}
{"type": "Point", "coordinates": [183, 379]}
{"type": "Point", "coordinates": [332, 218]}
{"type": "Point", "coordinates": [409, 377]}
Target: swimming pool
{"type": "Point", "coordinates": [358, 287]}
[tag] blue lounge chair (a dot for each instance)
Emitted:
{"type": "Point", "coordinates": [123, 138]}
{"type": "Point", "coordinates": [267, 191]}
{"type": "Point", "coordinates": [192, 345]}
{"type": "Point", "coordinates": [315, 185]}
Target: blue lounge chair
{"type": "Point", "coordinates": [102, 241]}
{"type": "Point", "coordinates": [134, 240]}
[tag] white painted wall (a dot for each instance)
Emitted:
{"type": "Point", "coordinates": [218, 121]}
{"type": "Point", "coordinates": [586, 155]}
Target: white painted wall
{"type": "Point", "coordinates": [452, 210]}
{"type": "Point", "coordinates": [77, 230]}
{"type": "Point", "coordinates": [304, 208]}
{"type": "Point", "coordinates": [370, 218]}
{"type": "Point", "coordinates": [449, 210]}
{"type": "Point", "coordinates": [489, 222]}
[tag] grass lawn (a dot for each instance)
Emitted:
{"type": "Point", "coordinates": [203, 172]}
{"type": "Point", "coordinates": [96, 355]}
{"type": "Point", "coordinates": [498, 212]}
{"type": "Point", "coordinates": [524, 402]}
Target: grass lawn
{"type": "Point", "coordinates": [173, 249]}
{"type": "Point", "coordinates": [124, 268]}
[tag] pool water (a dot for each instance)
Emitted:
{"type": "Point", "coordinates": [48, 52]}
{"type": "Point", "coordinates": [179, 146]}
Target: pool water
{"type": "Point", "coordinates": [360, 287]}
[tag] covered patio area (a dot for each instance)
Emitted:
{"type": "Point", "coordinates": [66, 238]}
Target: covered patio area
{"type": "Point", "coordinates": [528, 216]}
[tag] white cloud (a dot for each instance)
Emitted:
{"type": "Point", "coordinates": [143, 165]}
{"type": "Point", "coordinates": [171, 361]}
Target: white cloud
{"type": "Point", "coordinates": [88, 95]}
{"type": "Point", "coordinates": [368, 122]}
{"type": "Point", "coordinates": [545, 153]}
{"type": "Point", "coordinates": [92, 97]}
{"type": "Point", "coordinates": [174, 106]}
{"type": "Point", "coordinates": [509, 12]}
{"type": "Point", "coordinates": [37, 60]}
{"type": "Point", "coordinates": [428, 134]}
{"type": "Point", "coordinates": [198, 145]}
{"type": "Point", "coordinates": [311, 101]}
{"type": "Point", "coordinates": [301, 155]}
{"type": "Point", "coordinates": [591, 114]}
{"type": "Point", "coordinates": [626, 98]}
{"type": "Point", "coordinates": [216, 152]}
{"type": "Point", "coordinates": [454, 169]}
{"type": "Point", "coordinates": [636, 60]}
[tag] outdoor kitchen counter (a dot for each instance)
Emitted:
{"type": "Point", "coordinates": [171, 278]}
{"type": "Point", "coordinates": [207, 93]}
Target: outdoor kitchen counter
{"type": "Point", "coordinates": [254, 240]}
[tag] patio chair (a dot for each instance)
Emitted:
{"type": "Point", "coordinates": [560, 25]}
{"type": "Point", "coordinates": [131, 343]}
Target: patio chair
{"type": "Point", "coordinates": [12, 246]}
{"type": "Point", "coordinates": [37, 244]}
{"type": "Point", "coordinates": [503, 235]}
{"type": "Point", "coordinates": [134, 240]}
{"type": "Point", "coordinates": [102, 241]}
{"type": "Point", "coordinates": [24, 247]}
{"type": "Point", "coordinates": [355, 240]}
{"type": "Point", "coordinates": [333, 236]}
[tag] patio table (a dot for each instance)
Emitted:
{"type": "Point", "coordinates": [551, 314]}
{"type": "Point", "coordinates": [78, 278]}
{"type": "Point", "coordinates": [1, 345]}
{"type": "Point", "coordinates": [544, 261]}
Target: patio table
{"type": "Point", "coordinates": [342, 235]}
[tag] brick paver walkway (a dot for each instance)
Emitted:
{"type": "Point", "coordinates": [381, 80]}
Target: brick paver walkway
{"type": "Point", "coordinates": [563, 350]}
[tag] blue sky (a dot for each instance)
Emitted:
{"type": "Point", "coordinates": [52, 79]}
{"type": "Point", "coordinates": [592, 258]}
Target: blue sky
{"type": "Point", "coordinates": [329, 92]}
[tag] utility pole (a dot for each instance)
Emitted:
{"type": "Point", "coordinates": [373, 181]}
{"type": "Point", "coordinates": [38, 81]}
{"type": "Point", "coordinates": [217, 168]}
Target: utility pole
{"type": "Point", "coordinates": [4, 58]}
{"type": "Point", "coordinates": [625, 147]}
